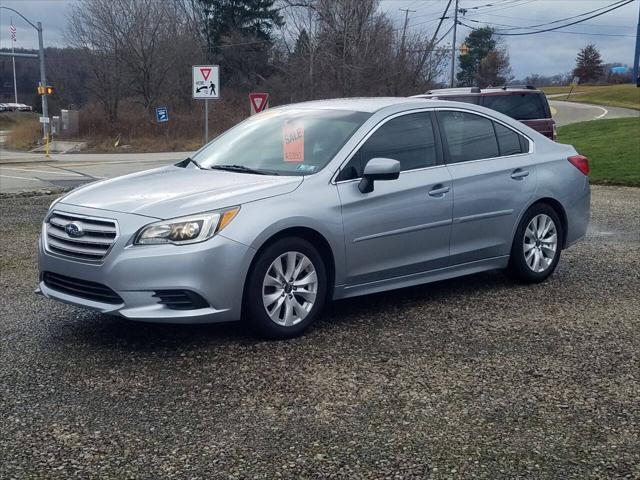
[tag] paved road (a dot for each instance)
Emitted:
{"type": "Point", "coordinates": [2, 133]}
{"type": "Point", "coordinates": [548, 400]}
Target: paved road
{"type": "Point", "coordinates": [570, 112]}
{"type": "Point", "coordinates": [470, 378]}
{"type": "Point", "coordinates": [20, 171]}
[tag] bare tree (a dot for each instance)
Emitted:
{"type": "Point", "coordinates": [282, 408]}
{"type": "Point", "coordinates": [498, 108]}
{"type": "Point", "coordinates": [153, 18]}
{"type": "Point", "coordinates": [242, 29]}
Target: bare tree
{"type": "Point", "coordinates": [135, 47]}
{"type": "Point", "coordinates": [89, 29]}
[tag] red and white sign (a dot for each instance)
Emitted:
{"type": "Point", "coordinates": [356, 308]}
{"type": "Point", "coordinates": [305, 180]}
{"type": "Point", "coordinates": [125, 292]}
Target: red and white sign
{"type": "Point", "coordinates": [258, 102]}
{"type": "Point", "coordinates": [206, 81]}
{"type": "Point", "coordinates": [293, 142]}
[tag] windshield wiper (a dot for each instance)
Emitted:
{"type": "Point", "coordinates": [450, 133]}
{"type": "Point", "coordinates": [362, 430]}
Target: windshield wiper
{"type": "Point", "coordinates": [240, 169]}
{"type": "Point", "coordinates": [187, 161]}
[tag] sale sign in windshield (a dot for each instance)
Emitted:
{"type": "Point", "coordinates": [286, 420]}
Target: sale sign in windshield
{"type": "Point", "coordinates": [293, 142]}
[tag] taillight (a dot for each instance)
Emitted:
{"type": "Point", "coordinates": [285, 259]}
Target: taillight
{"type": "Point", "coordinates": [554, 133]}
{"type": "Point", "coordinates": [580, 162]}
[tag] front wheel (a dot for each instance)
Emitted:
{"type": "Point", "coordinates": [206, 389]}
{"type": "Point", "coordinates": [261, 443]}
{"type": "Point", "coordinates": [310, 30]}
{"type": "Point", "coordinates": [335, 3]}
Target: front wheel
{"type": "Point", "coordinates": [536, 247]}
{"type": "Point", "coordinates": [286, 289]}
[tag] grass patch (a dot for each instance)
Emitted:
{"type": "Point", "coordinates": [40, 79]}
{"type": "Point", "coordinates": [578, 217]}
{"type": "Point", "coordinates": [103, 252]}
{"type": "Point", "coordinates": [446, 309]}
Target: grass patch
{"type": "Point", "coordinates": [627, 95]}
{"type": "Point", "coordinates": [144, 144]}
{"type": "Point", "coordinates": [613, 148]}
{"type": "Point", "coordinates": [24, 133]}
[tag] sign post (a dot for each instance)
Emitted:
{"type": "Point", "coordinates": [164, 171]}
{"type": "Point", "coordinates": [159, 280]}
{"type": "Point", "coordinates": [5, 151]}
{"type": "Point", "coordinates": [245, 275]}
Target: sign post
{"type": "Point", "coordinates": [575, 81]}
{"type": "Point", "coordinates": [206, 86]}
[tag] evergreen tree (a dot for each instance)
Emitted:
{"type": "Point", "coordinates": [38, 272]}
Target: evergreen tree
{"type": "Point", "coordinates": [238, 35]}
{"type": "Point", "coordinates": [588, 64]}
{"type": "Point", "coordinates": [480, 42]}
{"type": "Point", "coordinates": [302, 44]}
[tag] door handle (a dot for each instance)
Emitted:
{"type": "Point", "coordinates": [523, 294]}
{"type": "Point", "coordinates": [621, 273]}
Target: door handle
{"type": "Point", "coordinates": [438, 190]}
{"type": "Point", "coordinates": [519, 174]}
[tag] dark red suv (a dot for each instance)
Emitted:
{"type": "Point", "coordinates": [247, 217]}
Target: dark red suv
{"type": "Point", "coordinates": [524, 103]}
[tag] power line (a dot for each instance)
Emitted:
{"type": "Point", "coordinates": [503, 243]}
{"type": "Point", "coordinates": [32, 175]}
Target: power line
{"type": "Point", "coordinates": [584, 24]}
{"type": "Point", "coordinates": [444, 15]}
{"type": "Point", "coordinates": [502, 8]}
{"type": "Point", "coordinates": [619, 5]}
{"type": "Point", "coordinates": [444, 35]}
{"type": "Point", "coordinates": [557, 31]}
{"type": "Point", "coordinates": [621, 2]}
{"type": "Point", "coordinates": [492, 4]}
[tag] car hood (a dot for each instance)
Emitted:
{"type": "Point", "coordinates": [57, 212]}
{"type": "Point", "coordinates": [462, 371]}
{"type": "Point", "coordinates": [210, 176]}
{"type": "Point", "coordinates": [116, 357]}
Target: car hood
{"type": "Point", "coordinates": [170, 192]}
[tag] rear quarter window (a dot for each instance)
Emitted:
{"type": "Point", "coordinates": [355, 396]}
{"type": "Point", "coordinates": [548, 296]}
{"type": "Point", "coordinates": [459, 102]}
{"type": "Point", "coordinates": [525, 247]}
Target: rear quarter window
{"type": "Point", "coordinates": [521, 106]}
{"type": "Point", "coordinates": [510, 142]}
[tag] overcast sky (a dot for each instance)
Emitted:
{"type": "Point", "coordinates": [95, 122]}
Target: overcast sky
{"type": "Point", "coordinates": [545, 53]}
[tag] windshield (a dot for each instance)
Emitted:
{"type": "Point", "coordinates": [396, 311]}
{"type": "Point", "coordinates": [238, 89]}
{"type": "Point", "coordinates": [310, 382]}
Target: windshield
{"type": "Point", "coordinates": [283, 142]}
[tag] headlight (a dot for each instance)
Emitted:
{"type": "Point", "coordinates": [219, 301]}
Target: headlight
{"type": "Point", "coordinates": [185, 230]}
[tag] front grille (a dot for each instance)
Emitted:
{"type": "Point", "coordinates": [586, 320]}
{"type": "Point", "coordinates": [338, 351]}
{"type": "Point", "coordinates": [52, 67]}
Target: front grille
{"type": "Point", "coordinates": [81, 288]}
{"type": "Point", "coordinates": [96, 236]}
{"type": "Point", "coordinates": [181, 299]}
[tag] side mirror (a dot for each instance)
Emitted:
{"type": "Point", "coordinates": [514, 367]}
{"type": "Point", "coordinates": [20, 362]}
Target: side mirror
{"type": "Point", "coordinates": [378, 169]}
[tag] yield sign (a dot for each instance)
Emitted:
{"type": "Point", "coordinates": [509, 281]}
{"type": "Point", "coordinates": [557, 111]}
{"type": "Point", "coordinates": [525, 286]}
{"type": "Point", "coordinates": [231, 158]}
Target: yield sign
{"type": "Point", "coordinates": [206, 81]}
{"type": "Point", "coordinates": [205, 71]}
{"type": "Point", "coordinates": [258, 101]}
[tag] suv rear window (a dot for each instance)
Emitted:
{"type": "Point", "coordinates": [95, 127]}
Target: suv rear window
{"type": "Point", "coordinates": [524, 106]}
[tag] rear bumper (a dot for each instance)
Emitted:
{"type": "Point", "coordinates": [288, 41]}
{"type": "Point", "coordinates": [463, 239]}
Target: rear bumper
{"type": "Point", "coordinates": [214, 269]}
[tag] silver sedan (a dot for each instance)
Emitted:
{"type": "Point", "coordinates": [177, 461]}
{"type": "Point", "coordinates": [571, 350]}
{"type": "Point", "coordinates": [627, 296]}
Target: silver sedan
{"type": "Point", "coordinates": [316, 201]}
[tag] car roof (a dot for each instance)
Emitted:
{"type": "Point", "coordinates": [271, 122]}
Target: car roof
{"type": "Point", "coordinates": [360, 104]}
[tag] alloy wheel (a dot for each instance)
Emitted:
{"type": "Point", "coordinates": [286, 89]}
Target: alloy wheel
{"type": "Point", "coordinates": [540, 243]}
{"type": "Point", "coordinates": [289, 288]}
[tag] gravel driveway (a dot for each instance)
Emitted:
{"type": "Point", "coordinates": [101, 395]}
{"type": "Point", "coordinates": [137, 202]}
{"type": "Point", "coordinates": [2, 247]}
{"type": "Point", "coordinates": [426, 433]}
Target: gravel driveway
{"type": "Point", "coordinates": [470, 378]}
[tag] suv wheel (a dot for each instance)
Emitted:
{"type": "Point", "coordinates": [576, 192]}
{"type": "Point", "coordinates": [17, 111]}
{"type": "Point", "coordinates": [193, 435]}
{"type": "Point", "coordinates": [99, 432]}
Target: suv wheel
{"type": "Point", "coordinates": [536, 247]}
{"type": "Point", "coordinates": [286, 289]}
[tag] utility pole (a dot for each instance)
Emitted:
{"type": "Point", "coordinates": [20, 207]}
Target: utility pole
{"type": "Point", "coordinates": [404, 28]}
{"type": "Point", "coordinates": [13, 61]}
{"type": "Point", "coordinates": [636, 58]}
{"type": "Point", "coordinates": [453, 46]}
{"type": "Point", "coordinates": [43, 76]}
{"type": "Point", "coordinates": [43, 83]}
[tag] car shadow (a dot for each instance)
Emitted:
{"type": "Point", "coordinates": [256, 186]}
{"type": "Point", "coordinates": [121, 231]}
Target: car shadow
{"type": "Point", "coordinates": [442, 291]}
{"type": "Point", "coordinates": [104, 331]}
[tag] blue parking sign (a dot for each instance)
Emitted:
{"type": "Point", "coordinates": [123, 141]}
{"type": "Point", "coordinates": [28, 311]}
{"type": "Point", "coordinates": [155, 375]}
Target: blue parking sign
{"type": "Point", "coordinates": [162, 114]}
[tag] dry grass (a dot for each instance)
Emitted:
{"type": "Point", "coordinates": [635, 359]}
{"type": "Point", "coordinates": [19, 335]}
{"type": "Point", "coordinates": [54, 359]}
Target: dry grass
{"type": "Point", "coordinates": [137, 130]}
{"type": "Point", "coordinates": [25, 133]}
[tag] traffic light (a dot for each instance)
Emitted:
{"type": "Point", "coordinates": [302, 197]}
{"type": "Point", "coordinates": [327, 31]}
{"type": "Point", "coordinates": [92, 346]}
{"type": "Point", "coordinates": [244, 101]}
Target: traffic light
{"type": "Point", "coordinates": [46, 90]}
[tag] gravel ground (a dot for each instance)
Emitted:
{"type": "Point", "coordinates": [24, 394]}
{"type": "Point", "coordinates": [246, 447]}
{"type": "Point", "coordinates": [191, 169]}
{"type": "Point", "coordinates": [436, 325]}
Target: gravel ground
{"type": "Point", "coordinates": [472, 378]}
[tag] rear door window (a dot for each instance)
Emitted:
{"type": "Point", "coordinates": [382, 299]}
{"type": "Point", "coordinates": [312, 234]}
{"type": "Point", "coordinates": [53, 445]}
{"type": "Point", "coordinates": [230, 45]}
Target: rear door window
{"type": "Point", "coordinates": [408, 139]}
{"type": "Point", "coordinates": [468, 136]}
{"type": "Point", "coordinates": [522, 106]}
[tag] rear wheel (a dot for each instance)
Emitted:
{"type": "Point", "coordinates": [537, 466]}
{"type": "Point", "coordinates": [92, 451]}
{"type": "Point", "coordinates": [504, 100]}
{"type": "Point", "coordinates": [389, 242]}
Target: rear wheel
{"type": "Point", "coordinates": [287, 288]}
{"type": "Point", "coordinates": [536, 247]}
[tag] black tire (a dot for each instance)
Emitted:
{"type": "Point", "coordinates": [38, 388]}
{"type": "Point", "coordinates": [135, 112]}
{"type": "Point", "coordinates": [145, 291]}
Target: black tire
{"type": "Point", "coordinates": [518, 267]}
{"type": "Point", "coordinates": [255, 312]}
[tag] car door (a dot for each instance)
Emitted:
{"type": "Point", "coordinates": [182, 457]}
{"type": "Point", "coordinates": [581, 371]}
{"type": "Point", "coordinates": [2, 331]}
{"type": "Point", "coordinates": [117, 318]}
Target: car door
{"type": "Point", "coordinates": [494, 178]}
{"type": "Point", "coordinates": [401, 227]}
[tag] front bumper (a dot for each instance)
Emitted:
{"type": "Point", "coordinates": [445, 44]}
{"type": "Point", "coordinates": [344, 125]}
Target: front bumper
{"type": "Point", "coordinates": [215, 269]}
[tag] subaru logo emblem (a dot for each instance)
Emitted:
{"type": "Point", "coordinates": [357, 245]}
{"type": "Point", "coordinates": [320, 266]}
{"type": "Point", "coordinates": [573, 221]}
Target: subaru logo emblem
{"type": "Point", "coordinates": [74, 230]}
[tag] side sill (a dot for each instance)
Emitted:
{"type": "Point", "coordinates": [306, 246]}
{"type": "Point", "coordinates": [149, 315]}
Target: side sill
{"type": "Point", "coordinates": [421, 277]}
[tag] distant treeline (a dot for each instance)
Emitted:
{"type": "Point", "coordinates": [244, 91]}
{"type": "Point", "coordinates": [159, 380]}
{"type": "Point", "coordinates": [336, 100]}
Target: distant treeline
{"type": "Point", "coordinates": [137, 54]}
